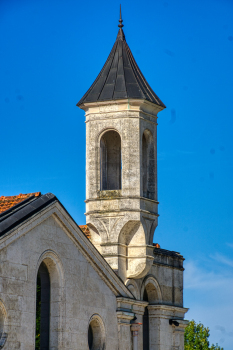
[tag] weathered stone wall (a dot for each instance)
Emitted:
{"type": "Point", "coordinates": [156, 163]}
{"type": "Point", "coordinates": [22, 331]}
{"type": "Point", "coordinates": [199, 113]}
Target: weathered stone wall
{"type": "Point", "coordinates": [164, 287]}
{"type": "Point", "coordinates": [167, 272]}
{"type": "Point", "coordinates": [77, 290]}
{"type": "Point", "coordinates": [83, 289]}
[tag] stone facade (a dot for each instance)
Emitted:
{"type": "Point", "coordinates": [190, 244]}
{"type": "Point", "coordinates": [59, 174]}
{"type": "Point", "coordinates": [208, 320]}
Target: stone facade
{"type": "Point", "coordinates": [84, 289]}
{"type": "Point", "coordinates": [82, 284]}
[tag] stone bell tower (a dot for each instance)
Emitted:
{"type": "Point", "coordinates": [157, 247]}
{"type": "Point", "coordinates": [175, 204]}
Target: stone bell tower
{"type": "Point", "coordinates": [121, 162]}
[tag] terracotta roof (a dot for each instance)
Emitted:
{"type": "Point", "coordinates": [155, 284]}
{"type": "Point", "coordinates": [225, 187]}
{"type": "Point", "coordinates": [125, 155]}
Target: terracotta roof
{"type": "Point", "coordinates": [7, 202]}
{"type": "Point", "coordinates": [85, 230]}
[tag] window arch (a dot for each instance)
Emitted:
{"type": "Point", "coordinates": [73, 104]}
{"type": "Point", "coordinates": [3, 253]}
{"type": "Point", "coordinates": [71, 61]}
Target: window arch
{"type": "Point", "coordinates": [153, 290]}
{"type": "Point", "coordinates": [110, 161]}
{"type": "Point", "coordinates": [148, 165]}
{"type": "Point", "coordinates": [49, 297]}
{"type": "Point", "coordinates": [150, 292]}
{"type": "Point", "coordinates": [96, 333]}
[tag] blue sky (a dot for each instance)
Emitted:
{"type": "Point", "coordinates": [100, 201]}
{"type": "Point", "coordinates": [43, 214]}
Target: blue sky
{"type": "Point", "coordinates": [51, 52]}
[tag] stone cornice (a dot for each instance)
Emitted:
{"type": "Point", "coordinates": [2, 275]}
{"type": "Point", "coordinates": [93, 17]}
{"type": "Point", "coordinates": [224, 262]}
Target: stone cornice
{"type": "Point", "coordinates": [167, 311]}
{"type": "Point", "coordinates": [168, 266]}
{"type": "Point", "coordinates": [124, 317]}
{"type": "Point", "coordinates": [93, 212]}
{"type": "Point", "coordinates": [120, 197]}
{"type": "Point", "coordinates": [135, 306]}
{"type": "Point", "coordinates": [122, 105]}
{"type": "Point", "coordinates": [132, 301]}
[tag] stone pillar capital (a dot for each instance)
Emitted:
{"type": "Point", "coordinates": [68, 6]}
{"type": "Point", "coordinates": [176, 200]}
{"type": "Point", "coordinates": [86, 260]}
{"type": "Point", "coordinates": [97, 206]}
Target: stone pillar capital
{"type": "Point", "coordinates": [124, 317]}
{"type": "Point", "coordinates": [135, 328]}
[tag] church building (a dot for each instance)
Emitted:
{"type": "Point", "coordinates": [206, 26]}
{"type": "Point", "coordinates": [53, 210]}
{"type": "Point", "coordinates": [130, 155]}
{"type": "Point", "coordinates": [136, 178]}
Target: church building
{"type": "Point", "coordinates": [104, 285]}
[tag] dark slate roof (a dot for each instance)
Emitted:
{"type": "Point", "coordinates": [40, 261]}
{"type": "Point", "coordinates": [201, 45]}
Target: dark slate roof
{"type": "Point", "coordinates": [29, 205]}
{"type": "Point", "coordinates": [120, 77]}
{"type": "Point", "coordinates": [17, 214]}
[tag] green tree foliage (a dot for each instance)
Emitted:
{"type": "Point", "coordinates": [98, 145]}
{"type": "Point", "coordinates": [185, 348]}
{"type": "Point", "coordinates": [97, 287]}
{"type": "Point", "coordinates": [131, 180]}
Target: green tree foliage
{"type": "Point", "coordinates": [38, 312]}
{"type": "Point", "coordinates": [196, 337]}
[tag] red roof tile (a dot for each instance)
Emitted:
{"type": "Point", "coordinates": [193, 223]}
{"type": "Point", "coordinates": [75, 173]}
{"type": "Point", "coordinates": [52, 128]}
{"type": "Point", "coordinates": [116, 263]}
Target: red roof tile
{"type": "Point", "coordinates": [7, 202]}
{"type": "Point", "coordinates": [156, 245]}
{"type": "Point", "coordinates": [85, 230]}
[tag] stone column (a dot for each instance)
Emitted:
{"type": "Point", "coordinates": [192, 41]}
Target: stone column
{"type": "Point", "coordinates": [165, 335]}
{"type": "Point", "coordinates": [135, 327]}
{"type": "Point", "coordinates": [124, 333]}
{"type": "Point", "coordinates": [128, 310]}
{"type": "Point", "coordinates": [139, 309]}
{"type": "Point", "coordinates": [178, 334]}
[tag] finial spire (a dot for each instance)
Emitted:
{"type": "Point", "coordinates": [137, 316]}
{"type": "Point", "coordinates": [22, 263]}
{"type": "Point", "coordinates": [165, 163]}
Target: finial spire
{"type": "Point", "coordinates": [120, 25]}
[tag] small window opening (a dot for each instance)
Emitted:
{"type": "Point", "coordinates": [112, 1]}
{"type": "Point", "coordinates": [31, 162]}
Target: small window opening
{"type": "Point", "coordinates": [110, 161]}
{"type": "Point", "coordinates": [148, 165]}
{"type": "Point", "coordinates": [96, 334]}
{"type": "Point", "coordinates": [90, 336]}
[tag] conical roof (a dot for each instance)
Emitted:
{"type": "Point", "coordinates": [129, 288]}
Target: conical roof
{"type": "Point", "coordinates": [120, 77]}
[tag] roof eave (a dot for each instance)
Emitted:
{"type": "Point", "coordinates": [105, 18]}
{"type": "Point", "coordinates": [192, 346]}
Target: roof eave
{"type": "Point", "coordinates": [123, 104]}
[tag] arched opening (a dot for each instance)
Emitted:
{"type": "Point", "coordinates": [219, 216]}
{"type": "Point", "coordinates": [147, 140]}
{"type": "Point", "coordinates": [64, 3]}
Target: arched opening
{"type": "Point", "coordinates": [133, 287]}
{"type": "Point", "coordinates": [49, 301]}
{"type": "Point", "coordinates": [146, 333]}
{"type": "Point", "coordinates": [148, 165]}
{"type": "Point", "coordinates": [110, 161]}
{"type": "Point", "coordinates": [42, 308]}
{"type": "Point", "coordinates": [96, 334]}
{"type": "Point", "coordinates": [151, 293]}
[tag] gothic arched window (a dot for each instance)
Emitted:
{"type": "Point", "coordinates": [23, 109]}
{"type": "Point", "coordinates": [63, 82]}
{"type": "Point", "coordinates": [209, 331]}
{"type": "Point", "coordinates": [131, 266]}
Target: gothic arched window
{"type": "Point", "coordinates": [48, 302]}
{"type": "Point", "coordinates": [110, 161]}
{"type": "Point", "coordinates": [43, 308]}
{"type": "Point", "coordinates": [148, 165]}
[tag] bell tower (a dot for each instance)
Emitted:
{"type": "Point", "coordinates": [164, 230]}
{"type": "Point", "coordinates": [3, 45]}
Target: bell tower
{"type": "Point", "coordinates": [121, 162]}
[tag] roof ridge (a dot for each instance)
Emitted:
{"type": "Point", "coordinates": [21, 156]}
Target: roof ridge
{"type": "Point", "coordinates": [118, 61]}
{"type": "Point", "coordinates": [96, 80]}
{"type": "Point", "coordinates": [143, 80]}
{"type": "Point", "coordinates": [123, 68]}
{"type": "Point", "coordinates": [117, 43]}
{"type": "Point", "coordinates": [135, 75]}
{"type": "Point", "coordinates": [24, 211]}
{"type": "Point", "coordinates": [21, 195]}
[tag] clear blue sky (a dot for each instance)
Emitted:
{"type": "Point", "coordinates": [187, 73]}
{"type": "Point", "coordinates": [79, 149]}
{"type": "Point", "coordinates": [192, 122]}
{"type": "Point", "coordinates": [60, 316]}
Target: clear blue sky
{"type": "Point", "coordinates": [51, 52]}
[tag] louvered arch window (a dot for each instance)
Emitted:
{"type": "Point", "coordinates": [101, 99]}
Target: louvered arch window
{"type": "Point", "coordinates": [110, 161]}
